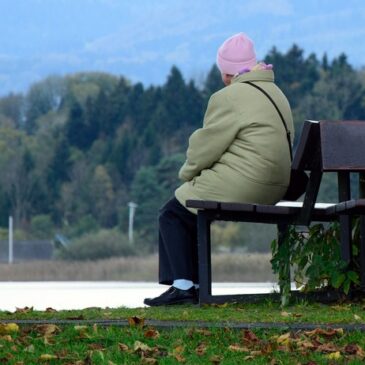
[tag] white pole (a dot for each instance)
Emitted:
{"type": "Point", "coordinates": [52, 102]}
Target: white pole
{"type": "Point", "coordinates": [10, 260]}
{"type": "Point", "coordinates": [132, 209]}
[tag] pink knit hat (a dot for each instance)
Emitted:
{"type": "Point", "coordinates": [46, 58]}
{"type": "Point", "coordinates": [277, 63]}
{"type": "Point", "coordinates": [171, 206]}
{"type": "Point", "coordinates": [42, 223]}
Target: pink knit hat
{"type": "Point", "coordinates": [235, 54]}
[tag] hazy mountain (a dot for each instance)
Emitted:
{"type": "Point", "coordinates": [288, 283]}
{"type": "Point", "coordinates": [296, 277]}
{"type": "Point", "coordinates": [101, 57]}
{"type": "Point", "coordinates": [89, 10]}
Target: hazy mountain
{"type": "Point", "coordinates": [143, 39]}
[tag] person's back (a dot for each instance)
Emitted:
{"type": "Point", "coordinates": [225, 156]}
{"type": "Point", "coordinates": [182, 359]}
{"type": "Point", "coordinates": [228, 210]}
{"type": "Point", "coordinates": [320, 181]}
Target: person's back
{"type": "Point", "coordinates": [241, 154]}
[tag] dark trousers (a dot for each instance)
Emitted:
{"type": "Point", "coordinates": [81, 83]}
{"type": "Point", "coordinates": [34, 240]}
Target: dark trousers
{"type": "Point", "coordinates": [178, 246]}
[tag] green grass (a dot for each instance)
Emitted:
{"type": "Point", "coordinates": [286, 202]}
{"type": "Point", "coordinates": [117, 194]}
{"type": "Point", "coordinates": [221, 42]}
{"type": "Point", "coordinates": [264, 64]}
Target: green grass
{"type": "Point", "coordinates": [302, 312]}
{"type": "Point", "coordinates": [142, 344]}
{"type": "Point", "coordinates": [135, 345]}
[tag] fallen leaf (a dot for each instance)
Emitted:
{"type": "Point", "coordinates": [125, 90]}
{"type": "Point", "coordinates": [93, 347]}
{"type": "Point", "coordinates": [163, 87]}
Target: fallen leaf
{"type": "Point", "coordinates": [47, 329]}
{"type": "Point", "coordinates": [123, 347]}
{"type": "Point", "coordinates": [29, 348]}
{"type": "Point", "coordinates": [50, 310]}
{"type": "Point", "coordinates": [327, 347]}
{"type": "Point", "coordinates": [249, 357]}
{"type": "Point", "coordinates": [283, 339]}
{"type": "Point", "coordinates": [136, 321]}
{"type": "Point", "coordinates": [47, 357]}
{"type": "Point", "coordinates": [357, 318]}
{"type": "Point", "coordinates": [201, 349]}
{"type": "Point", "coordinates": [285, 314]}
{"type": "Point", "coordinates": [8, 328]}
{"type": "Point", "coordinates": [180, 358]}
{"type": "Point", "coordinates": [140, 346]}
{"type": "Point", "coordinates": [152, 333]}
{"type": "Point", "coordinates": [249, 337]}
{"type": "Point", "coordinates": [238, 348]}
{"type": "Point", "coordinates": [7, 338]}
{"type": "Point", "coordinates": [24, 310]}
{"type": "Point", "coordinates": [334, 356]}
{"type": "Point", "coordinates": [328, 333]}
{"type": "Point", "coordinates": [203, 331]}
{"type": "Point", "coordinates": [96, 346]}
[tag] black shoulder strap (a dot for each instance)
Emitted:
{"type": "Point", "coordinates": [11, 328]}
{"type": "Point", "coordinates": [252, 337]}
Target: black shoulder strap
{"type": "Point", "coordinates": [281, 116]}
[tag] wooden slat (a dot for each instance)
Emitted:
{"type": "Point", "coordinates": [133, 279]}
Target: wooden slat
{"type": "Point", "coordinates": [202, 204]}
{"type": "Point", "coordinates": [273, 209]}
{"type": "Point", "coordinates": [238, 207]}
{"type": "Point", "coordinates": [343, 145]}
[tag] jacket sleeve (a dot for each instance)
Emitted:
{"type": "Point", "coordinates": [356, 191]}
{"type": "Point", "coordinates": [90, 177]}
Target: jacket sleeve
{"type": "Point", "coordinates": [207, 144]}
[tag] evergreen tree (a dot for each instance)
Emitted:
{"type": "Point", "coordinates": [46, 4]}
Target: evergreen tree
{"type": "Point", "coordinates": [212, 83]}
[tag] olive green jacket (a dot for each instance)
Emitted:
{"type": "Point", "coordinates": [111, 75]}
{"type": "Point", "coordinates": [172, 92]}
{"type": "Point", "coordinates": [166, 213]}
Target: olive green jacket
{"type": "Point", "coordinates": [241, 153]}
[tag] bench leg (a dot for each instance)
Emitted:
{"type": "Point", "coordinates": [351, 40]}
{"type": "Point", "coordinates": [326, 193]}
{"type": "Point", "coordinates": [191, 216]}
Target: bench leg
{"type": "Point", "coordinates": [345, 238]}
{"type": "Point", "coordinates": [204, 255]}
{"type": "Point", "coordinates": [362, 252]}
{"type": "Point", "coordinates": [284, 279]}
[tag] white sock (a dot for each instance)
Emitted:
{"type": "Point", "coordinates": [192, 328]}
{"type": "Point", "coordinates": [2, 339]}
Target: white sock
{"type": "Point", "coordinates": [182, 284]}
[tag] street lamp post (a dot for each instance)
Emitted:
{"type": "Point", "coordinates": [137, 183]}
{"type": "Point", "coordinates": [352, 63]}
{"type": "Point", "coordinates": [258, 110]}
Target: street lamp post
{"type": "Point", "coordinates": [132, 210]}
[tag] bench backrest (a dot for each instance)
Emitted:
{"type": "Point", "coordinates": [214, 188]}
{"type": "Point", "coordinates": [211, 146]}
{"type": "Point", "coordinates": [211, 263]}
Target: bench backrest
{"type": "Point", "coordinates": [329, 146]}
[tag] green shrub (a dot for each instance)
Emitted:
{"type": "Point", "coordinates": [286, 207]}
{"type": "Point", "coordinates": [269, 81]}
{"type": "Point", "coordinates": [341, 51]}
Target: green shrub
{"type": "Point", "coordinates": [99, 245]}
{"type": "Point", "coordinates": [41, 226]}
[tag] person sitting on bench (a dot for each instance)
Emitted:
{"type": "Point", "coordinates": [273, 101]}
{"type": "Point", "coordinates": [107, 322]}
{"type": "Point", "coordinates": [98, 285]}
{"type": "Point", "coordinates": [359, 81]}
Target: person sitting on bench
{"type": "Point", "coordinates": [240, 154]}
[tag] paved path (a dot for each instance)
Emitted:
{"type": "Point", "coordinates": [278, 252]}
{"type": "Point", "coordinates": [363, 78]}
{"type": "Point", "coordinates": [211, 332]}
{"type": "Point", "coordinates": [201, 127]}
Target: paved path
{"type": "Point", "coordinates": [198, 324]}
{"type": "Point", "coordinates": [80, 295]}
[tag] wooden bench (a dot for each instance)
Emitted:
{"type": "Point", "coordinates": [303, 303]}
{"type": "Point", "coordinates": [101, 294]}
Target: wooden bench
{"type": "Point", "coordinates": [325, 146]}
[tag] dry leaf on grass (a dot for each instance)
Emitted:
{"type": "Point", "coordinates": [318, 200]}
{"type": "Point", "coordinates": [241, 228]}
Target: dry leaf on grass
{"type": "Point", "coordinates": [152, 333]}
{"type": "Point", "coordinates": [8, 328]}
{"type": "Point", "coordinates": [238, 348]}
{"type": "Point", "coordinates": [23, 310]}
{"type": "Point", "coordinates": [136, 321]}
{"type": "Point", "coordinates": [201, 349]}
{"type": "Point", "coordinates": [123, 347]}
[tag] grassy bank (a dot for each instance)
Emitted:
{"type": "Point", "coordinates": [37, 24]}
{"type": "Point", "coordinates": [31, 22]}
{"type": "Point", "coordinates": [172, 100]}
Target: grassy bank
{"type": "Point", "coordinates": [226, 267]}
{"type": "Point", "coordinates": [139, 343]}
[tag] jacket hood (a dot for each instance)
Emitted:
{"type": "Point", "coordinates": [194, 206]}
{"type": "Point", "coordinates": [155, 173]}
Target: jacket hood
{"type": "Point", "coordinates": [259, 75]}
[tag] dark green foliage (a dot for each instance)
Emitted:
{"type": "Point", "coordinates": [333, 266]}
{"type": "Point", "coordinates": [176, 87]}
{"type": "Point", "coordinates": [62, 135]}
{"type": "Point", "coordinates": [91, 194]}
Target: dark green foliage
{"type": "Point", "coordinates": [316, 259]}
{"type": "Point", "coordinates": [293, 73]}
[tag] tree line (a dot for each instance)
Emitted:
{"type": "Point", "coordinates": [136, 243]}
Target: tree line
{"type": "Point", "coordinates": [74, 150]}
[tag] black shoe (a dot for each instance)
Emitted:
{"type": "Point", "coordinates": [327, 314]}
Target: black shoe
{"type": "Point", "coordinates": [173, 296]}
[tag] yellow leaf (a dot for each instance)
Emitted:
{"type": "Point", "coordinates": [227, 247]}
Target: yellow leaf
{"type": "Point", "coordinates": [47, 357]}
{"type": "Point", "coordinates": [140, 346]}
{"type": "Point", "coordinates": [334, 356]}
{"type": "Point", "coordinates": [8, 328]}
{"type": "Point", "coordinates": [357, 318]}
{"type": "Point", "coordinates": [283, 339]}
{"type": "Point", "coordinates": [285, 314]}
{"type": "Point", "coordinates": [238, 348]}
{"type": "Point", "coordinates": [178, 349]}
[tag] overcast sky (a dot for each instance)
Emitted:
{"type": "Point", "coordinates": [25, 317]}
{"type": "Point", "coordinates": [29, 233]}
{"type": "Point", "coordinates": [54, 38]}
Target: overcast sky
{"type": "Point", "coordinates": [142, 39]}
